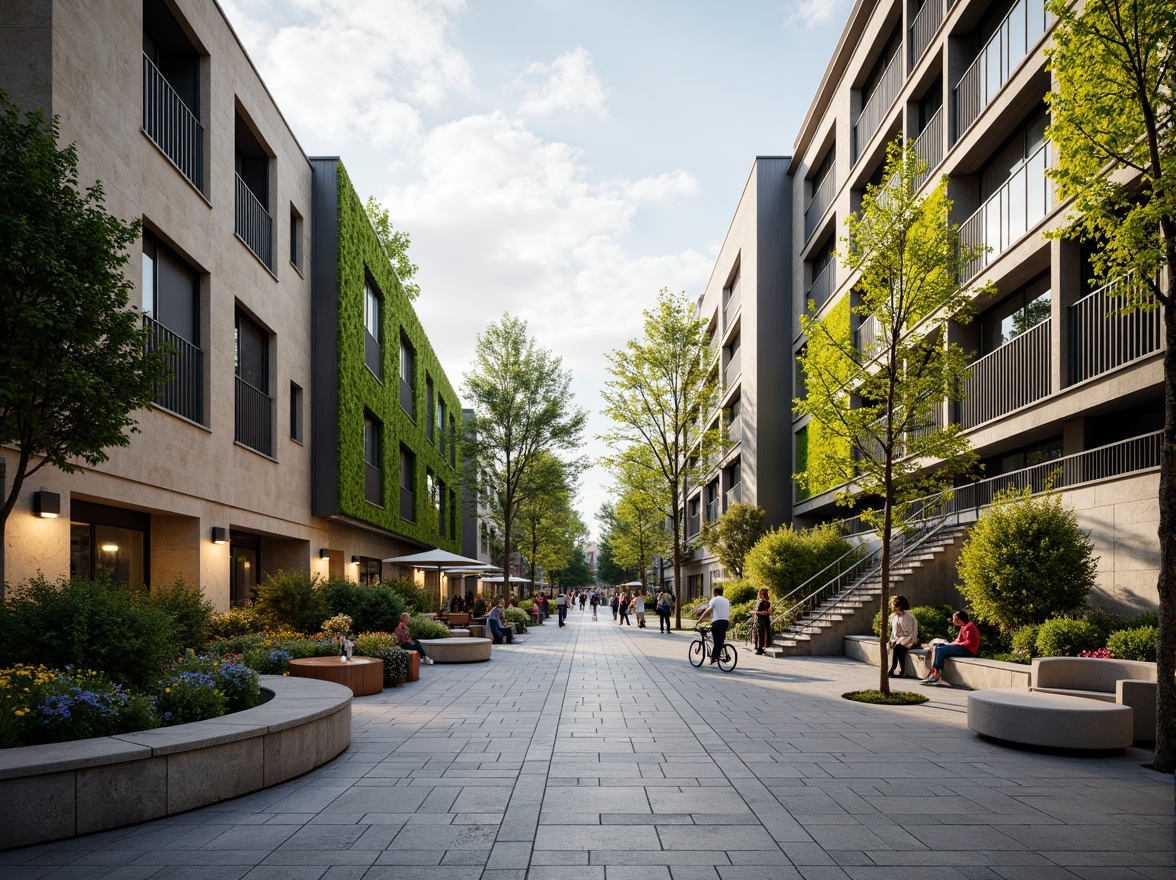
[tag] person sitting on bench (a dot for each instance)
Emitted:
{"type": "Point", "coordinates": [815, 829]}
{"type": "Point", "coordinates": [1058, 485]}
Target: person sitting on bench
{"type": "Point", "coordinates": [500, 630]}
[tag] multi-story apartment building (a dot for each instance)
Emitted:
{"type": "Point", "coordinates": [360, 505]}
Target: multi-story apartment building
{"type": "Point", "coordinates": [747, 304]}
{"type": "Point", "coordinates": [307, 423]}
{"type": "Point", "coordinates": [1059, 379]}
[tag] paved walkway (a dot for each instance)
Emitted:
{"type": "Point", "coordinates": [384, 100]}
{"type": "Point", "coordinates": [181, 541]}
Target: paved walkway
{"type": "Point", "coordinates": [598, 752]}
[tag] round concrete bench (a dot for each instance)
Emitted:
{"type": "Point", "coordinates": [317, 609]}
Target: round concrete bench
{"type": "Point", "coordinates": [1021, 716]}
{"type": "Point", "coordinates": [467, 650]}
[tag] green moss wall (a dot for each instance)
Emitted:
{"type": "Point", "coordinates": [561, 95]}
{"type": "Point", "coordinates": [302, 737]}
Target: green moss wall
{"type": "Point", "coordinates": [360, 254]}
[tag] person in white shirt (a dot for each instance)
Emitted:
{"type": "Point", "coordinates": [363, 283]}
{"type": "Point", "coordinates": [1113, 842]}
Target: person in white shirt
{"type": "Point", "coordinates": [719, 611]}
{"type": "Point", "coordinates": [561, 606]}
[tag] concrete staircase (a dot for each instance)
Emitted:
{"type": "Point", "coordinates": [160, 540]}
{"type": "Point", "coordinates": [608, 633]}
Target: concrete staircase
{"type": "Point", "coordinates": [923, 574]}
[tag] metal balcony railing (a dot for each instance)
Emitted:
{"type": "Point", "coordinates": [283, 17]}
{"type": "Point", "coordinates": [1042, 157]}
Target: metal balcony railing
{"type": "Point", "coordinates": [1104, 335]}
{"type": "Point", "coordinates": [255, 418]}
{"type": "Point", "coordinates": [822, 287]}
{"type": "Point", "coordinates": [865, 337]}
{"type": "Point", "coordinates": [183, 393]}
{"type": "Point", "coordinates": [692, 526]}
{"type": "Point", "coordinates": [823, 191]}
{"type": "Point", "coordinates": [1009, 213]}
{"type": "Point", "coordinates": [923, 27]}
{"type": "Point", "coordinates": [373, 485]}
{"type": "Point", "coordinates": [712, 510]}
{"type": "Point", "coordinates": [735, 430]}
{"type": "Point", "coordinates": [731, 303]}
{"type": "Point", "coordinates": [1020, 30]}
{"type": "Point", "coordinates": [733, 368]}
{"type": "Point", "coordinates": [171, 125]}
{"type": "Point", "coordinates": [929, 146]}
{"type": "Point", "coordinates": [253, 223]}
{"type": "Point", "coordinates": [407, 504]}
{"type": "Point", "coordinates": [732, 496]}
{"type": "Point", "coordinates": [1013, 376]}
{"type": "Point", "coordinates": [876, 107]}
{"type": "Point", "coordinates": [372, 353]}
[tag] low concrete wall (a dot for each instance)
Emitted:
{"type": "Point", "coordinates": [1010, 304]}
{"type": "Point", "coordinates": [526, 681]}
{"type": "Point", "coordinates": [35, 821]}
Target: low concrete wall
{"type": "Point", "coordinates": [975, 672]}
{"type": "Point", "coordinates": [62, 790]}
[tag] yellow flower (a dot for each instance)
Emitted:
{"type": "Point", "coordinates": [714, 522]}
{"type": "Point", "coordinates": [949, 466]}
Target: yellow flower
{"type": "Point", "coordinates": [167, 690]}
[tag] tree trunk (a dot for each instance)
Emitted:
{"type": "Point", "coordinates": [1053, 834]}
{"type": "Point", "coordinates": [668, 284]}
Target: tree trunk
{"type": "Point", "coordinates": [1165, 758]}
{"type": "Point", "coordinates": [884, 572]}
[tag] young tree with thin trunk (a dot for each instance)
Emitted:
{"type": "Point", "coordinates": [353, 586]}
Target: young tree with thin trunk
{"type": "Point", "coordinates": [638, 527]}
{"type": "Point", "coordinates": [733, 534]}
{"type": "Point", "coordinates": [1114, 128]}
{"type": "Point", "coordinates": [881, 401]}
{"type": "Point", "coordinates": [523, 411]}
{"type": "Point", "coordinates": [664, 388]}
{"type": "Point", "coordinates": [551, 529]}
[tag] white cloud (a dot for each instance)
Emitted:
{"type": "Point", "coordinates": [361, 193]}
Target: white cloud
{"type": "Point", "coordinates": [568, 83]}
{"type": "Point", "coordinates": [816, 13]}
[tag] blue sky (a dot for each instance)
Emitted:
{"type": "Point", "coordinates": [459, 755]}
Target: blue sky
{"type": "Point", "coordinates": [560, 160]}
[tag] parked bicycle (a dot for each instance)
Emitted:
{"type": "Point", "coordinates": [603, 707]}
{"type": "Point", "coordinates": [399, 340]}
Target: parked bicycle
{"type": "Point", "coordinates": [702, 647]}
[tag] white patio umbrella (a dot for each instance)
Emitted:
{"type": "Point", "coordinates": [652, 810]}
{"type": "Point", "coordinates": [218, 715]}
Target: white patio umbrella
{"type": "Point", "coordinates": [498, 580]}
{"type": "Point", "coordinates": [436, 558]}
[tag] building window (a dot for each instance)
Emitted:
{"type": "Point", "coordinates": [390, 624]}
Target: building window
{"type": "Point", "coordinates": [373, 483]}
{"type": "Point", "coordinates": [453, 445]}
{"type": "Point", "coordinates": [295, 239]}
{"type": "Point", "coordinates": [244, 567]}
{"type": "Point", "coordinates": [373, 352]}
{"type": "Point", "coordinates": [407, 482]}
{"type": "Point", "coordinates": [441, 424]}
{"type": "Point", "coordinates": [407, 375]}
{"type": "Point", "coordinates": [253, 220]}
{"type": "Point", "coordinates": [295, 413]}
{"type": "Point", "coordinates": [171, 314]}
{"type": "Point", "coordinates": [109, 538]}
{"type": "Point", "coordinates": [430, 408]}
{"type": "Point", "coordinates": [254, 405]}
{"type": "Point", "coordinates": [369, 571]}
{"type": "Point", "coordinates": [1016, 314]}
{"type": "Point", "coordinates": [171, 92]}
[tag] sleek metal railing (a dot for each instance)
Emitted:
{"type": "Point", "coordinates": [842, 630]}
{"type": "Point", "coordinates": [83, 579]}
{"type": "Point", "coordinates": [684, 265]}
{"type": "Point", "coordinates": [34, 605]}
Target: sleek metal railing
{"type": "Point", "coordinates": [255, 418]}
{"type": "Point", "coordinates": [183, 392]}
{"type": "Point", "coordinates": [373, 485]}
{"type": "Point", "coordinates": [822, 287]}
{"type": "Point", "coordinates": [712, 510]}
{"type": "Point", "coordinates": [732, 496]}
{"type": "Point", "coordinates": [406, 398]}
{"type": "Point", "coordinates": [923, 28]}
{"type": "Point", "coordinates": [733, 368]}
{"type": "Point", "coordinates": [253, 223]}
{"type": "Point", "coordinates": [731, 303]}
{"type": "Point", "coordinates": [1104, 335]}
{"type": "Point", "coordinates": [174, 128]}
{"type": "Point", "coordinates": [1020, 30]}
{"type": "Point", "coordinates": [692, 526]}
{"type": "Point", "coordinates": [407, 504]}
{"type": "Point", "coordinates": [865, 337]}
{"type": "Point", "coordinates": [372, 353]}
{"type": "Point", "coordinates": [877, 105]}
{"type": "Point", "coordinates": [1008, 213]}
{"type": "Point", "coordinates": [735, 430]}
{"type": "Point", "coordinates": [929, 145]}
{"type": "Point", "coordinates": [1014, 375]}
{"type": "Point", "coordinates": [823, 191]}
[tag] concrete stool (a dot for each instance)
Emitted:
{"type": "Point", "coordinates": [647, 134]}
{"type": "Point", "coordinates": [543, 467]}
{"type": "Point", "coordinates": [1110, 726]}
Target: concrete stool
{"type": "Point", "coordinates": [1021, 716]}
{"type": "Point", "coordinates": [469, 650]}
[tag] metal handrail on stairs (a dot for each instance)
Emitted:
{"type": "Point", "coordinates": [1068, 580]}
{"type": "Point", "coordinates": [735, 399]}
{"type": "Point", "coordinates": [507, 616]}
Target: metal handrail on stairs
{"type": "Point", "coordinates": [850, 560]}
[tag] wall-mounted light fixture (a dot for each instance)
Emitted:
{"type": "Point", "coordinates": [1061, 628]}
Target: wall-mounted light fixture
{"type": "Point", "coordinates": [355, 560]}
{"type": "Point", "coordinates": [46, 505]}
{"type": "Point", "coordinates": [219, 535]}
{"type": "Point", "coordinates": [324, 553]}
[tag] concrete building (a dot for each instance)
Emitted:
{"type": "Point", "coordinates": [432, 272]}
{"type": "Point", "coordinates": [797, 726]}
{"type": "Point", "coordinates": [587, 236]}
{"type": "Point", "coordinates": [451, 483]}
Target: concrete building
{"type": "Point", "coordinates": [308, 424]}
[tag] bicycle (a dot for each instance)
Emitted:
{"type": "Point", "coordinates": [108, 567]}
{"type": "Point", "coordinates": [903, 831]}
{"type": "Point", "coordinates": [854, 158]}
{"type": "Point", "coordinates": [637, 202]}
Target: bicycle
{"type": "Point", "coordinates": [702, 647]}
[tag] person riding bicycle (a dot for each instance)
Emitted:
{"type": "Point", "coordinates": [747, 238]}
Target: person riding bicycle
{"type": "Point", "coordinates": [719, 611]}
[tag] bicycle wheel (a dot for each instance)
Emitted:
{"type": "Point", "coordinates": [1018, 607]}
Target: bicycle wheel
{"type": "Point", "coordinates": [697, 652]}
{"type": "Point", "coordinates": [728, 657]}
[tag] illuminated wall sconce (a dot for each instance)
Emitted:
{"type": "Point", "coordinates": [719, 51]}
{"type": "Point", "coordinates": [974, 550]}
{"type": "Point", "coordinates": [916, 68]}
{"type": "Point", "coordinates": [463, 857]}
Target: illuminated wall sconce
{"type": "Point", "coordinates": [219, 535]}
{"type": "Point", "coordinates": [324, 553]}
{"type": "Point", "coordinates": [355, 560]}
{"type": "Point", "coordinates": [46, 505]}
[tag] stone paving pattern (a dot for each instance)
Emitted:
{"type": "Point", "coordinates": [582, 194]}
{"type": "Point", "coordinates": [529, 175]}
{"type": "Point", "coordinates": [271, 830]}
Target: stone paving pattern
{"type": "Point", "coordinates": [596, 752]}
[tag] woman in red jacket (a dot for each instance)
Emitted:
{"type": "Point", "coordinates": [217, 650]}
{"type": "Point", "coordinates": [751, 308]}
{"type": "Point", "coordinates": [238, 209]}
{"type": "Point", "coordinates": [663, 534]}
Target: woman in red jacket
{"type": "Point", "coordinates": [967, 644]}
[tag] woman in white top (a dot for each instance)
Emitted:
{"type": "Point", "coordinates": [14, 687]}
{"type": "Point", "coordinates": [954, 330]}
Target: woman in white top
{"type": "Point", "coordinates": [639, 608]}
{"type": "Point", "coordinates": [904, 634]}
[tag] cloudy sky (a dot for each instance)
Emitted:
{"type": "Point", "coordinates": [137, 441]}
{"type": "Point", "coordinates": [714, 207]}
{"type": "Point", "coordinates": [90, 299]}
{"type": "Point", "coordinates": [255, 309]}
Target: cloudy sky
{"type": "Point", "coordinates": [560, 160]}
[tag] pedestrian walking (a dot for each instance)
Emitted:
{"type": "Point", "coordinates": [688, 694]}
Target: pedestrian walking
{"type": "Point", "coordinates": [639, 608]}
{"type": "Point", "coordinates": [623, 608]}
{"type": "Point", "coordinates": [561, 606]}
{"type": "Point", "coordinates": [594, 601]}
{"type": "Point", "coordinates": [615, 603]}
{"type": "Point", "coordinates": [665, 604]}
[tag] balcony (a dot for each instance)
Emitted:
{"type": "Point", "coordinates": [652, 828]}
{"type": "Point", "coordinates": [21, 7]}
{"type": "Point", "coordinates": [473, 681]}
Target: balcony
{"type": "Point", "coordinates": [865, 337]}
{"type": "Point", "coordinates": [876, 107]}
{"type": "Point", "coordinates": [1105, 336]}
{"type": "Point", "coordinates": [253, 224]}
{"type": "Point", "coordinates": [929, 146]}
{"type": "Point", "coordinates": [735, 430]}
{"type": "Point", "coordinates": [712, 510]}
{"type": "Point", "coordinates": [731, 303]}
{"type": "Point", "coordinates": [171, 125]}
{"type": "Point", "coordinates": [255, 418]}
{"type": "Point", "coordinates": [1009, 213]}
{"type": "Point", "coordinates": [923, 27]}
{"type": "Point", "coordinates": [1013, 376]}
{"type": "Point", "coordinates": [732, 496]}
{"type": "Point", "coordinates": [692, 526]}
{"type": "Point", "coordinates": [373, 486]}
{"type": "Point", "coordinates": [822, 287]}
{"type": "Point", "coordinates": [822, 198]}
{"type": "Point", "coordinates": [407, 504]}
{"type": "Point", "coordinates": [183, 393]}
{"type": "Point", "coordinates": [733, 369]}
{"type": "Point", "coordinates": [1025, 24]}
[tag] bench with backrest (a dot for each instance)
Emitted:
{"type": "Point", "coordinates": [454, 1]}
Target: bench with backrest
{"type": "Point", "coordinates": [458, 619]}
{"type": "Point", "coordinates": [1126, 682]}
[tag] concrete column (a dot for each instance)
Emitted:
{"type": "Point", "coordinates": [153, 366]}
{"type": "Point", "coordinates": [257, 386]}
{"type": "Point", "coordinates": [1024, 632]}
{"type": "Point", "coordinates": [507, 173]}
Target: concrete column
{"type": "Point", "coordinates": [1065, 259]}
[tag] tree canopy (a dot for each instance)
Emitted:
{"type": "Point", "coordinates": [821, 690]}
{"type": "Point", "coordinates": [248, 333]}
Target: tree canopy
{"type": "Point", "coordinates": [638, 520]}
{"type": "Point", "coordinates": [396, 243]}
{"type": "Point", "coordinates": [732, 535]}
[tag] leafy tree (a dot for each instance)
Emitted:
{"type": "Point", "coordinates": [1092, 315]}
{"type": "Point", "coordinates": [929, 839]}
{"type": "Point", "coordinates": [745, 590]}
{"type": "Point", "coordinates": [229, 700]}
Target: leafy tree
{"type": "Point", "coordinates": [73, 358]}
{"type": "Point", "coordinates": [551, 530]}
{"type": "Point", "coordinates": [663, 388]}
{"type": "Point", "coordinates": [883, 399]}
{"type": "Point", "coordinates": [577, 573]}
{"type": "Point", "coordinates": [639, 519]}
{"type": "Point", "coordinates": [396, 243]}
{"type": "Point", "coordinates": [1112, 125]}
{"type": "Point", "coordinates": [733, 534]}
{"type": "Point", "coordinates": [608, 571]}
{"type": "Point", "coordinates": [523, 413]}
{"type": "Point", "coordinates": [1026, 561]}
{"type": "Point", "coordinates": [784, 558]}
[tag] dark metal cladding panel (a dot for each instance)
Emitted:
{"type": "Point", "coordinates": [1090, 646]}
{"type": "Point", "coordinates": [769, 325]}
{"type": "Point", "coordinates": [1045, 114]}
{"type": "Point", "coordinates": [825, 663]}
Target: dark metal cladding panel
{"type": "Point", "coordinates": [324, 336]}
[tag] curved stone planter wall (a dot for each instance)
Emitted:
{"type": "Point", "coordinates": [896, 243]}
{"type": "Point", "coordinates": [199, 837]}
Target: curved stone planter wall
{"type": "Point", "coordinates": [61, 790]}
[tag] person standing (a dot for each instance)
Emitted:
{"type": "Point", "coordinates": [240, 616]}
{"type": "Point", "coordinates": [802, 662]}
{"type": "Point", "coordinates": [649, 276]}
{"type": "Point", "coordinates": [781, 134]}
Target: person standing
{"type": "Point", "coordinates": [665, 600]}
{"type": "Point", "coordinates": [639, 608]}
{"type": "Point", "coordinates": [719, 611]}
{"type": "Point", "coordinates": [561, 606]}
{"type": "Point", "coordinates": [904, 634]}
{"type": "Point", "coordinates": [763, 622]}
{"type": "Point", "coordinates": [594, 601]}
{"type": "Point", "coordinates": [615, 604]}
{"type": "Point", "coordinates": [623, 607]}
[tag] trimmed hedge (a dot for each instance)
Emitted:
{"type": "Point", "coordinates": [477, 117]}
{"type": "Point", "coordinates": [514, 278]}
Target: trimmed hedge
{"type": "Point", "coordinates": [1134, 644]}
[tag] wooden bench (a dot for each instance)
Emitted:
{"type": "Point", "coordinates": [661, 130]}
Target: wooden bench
{"type": "Point", "coordinates": [459, 618]}
{"type": "Point", "coordinates": [1034, 718]}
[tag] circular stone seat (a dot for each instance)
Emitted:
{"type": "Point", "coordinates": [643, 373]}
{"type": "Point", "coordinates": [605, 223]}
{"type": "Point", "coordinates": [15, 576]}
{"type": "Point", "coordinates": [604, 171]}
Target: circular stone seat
{"type": "Point", "coordinates": [467, 650]}
{"type": "Point", "coordinates": [1021, 716]}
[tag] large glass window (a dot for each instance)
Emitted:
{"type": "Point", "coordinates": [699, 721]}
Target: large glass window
{"type": "Point", "coordinates": [407, 375]}
{"type": "Point", "coordinates": [1016, 314]}
{"type": "Point", "coordinates": [407, 482]}
{"type": "Point", "coordinates": [108, 538]}
{"type": "Point", "coordinates": [372, 336]}
{"type": "Point", "coordinates": [373, 475]}
{"type": "Point", "coordinates": [254, 405]}
{"type": "Point", "coordinates": [369, 571]}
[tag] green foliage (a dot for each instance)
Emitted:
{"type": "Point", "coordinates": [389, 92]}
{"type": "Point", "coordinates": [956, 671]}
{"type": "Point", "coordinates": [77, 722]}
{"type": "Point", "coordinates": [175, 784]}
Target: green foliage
{"type": "Point", "coordinates": [370, 606]}
{"type": "Point", "coordinates": [416, 599]}
{"type": "Point", "coordinates": [890, 698]}
{"type": "Point", "coordinates": [1025, 640]}
{"type": "Point", "coordinates": [292, 600]}
{"type": "Point", "coordinates": [75, 362]}
{"type": "Point", "coordinates": [1065, 637]}
{"type": "Point", "coordinates": [732, 535]}
{"type": "Point", "coordinates": [1010, 657]}
{"type": "Point", "coordinates": [785, 558]}
{"type": "Point", "coordinates": [1136, 643]}
{"type": "Point", "coordinates": [480, 607]}
{"type": "Point", "coordinates": [1105, 620]}
{"type": "Point", "coordinates": [232, 678]}
{"type": "Point", "coordinates": [1026, 561]}
{"type": "Point", "coordinates": [934, 623]}
{"type": "Point", "coordinates": [740, 592]}
{"type": "Point", "coordinates": [361, 255]}
{"type": "Point", "coordinates": [88, 624]}
{"type": "Point", "coordinates": [826, 459]}
{"type": "Point", "coordinates": [237, 621]}
{"type": "Point", "coordinates": [426, 628]}
{"type": "Point", "coordinates": [636, 524]}
{"type": "Point", "coordinates": [396, 243]}
{"type": "Point", "coordinates": [518, 618]}
{"type": "Point", "coordinates": [740, 617]}
{"type": "Point", "coordinates": [550, 529]}
{"type": "Point", "coordinates": [184, 604]}
{"type": "Point", "coordinates": [185, 696]}
{"type": "Point", "coordinates": [382, 646]}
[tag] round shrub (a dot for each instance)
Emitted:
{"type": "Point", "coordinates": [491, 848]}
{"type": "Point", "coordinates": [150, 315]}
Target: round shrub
{"type": "Point", "coordinates": [1025, 640]}
{"type": "Point", "coordinates": [382, 646]}
{"type": "Point", "coordinates": [739, 592]}
{"type": "Point", "coordinates": [186, 608]}
{"type": "Point", "coordinates": [1026, 561]}
{"type": "Point", "coordinates": [785, 558]}
{"type": "Point", "coordinates": [371, 607]}
{"type": "Point", "coordinates": [233, 678]}
{"type": "Point", "coordinates": [1137, 643]}
{"type": "Point", "coordinates": [518, 618]}
{"type": "Point", "coordinates": [268, 661]}
{"type": "Point", "coordinates": [292, 600]}
{"type": "Point", "coordinates": [238, 621]}
{"type": "Point", "coordinates": [416, 599]}
{"type": "Point", "coordinates": [426, 628]}
{"type": "Point", "coordinates": [184, 696]}
{"type": "Point", "coordinates": [1148, 618]}
{"type": "Point", "coordinates": [1063, 637]}
{"type": "Point", "coordinates": [480, 607]}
